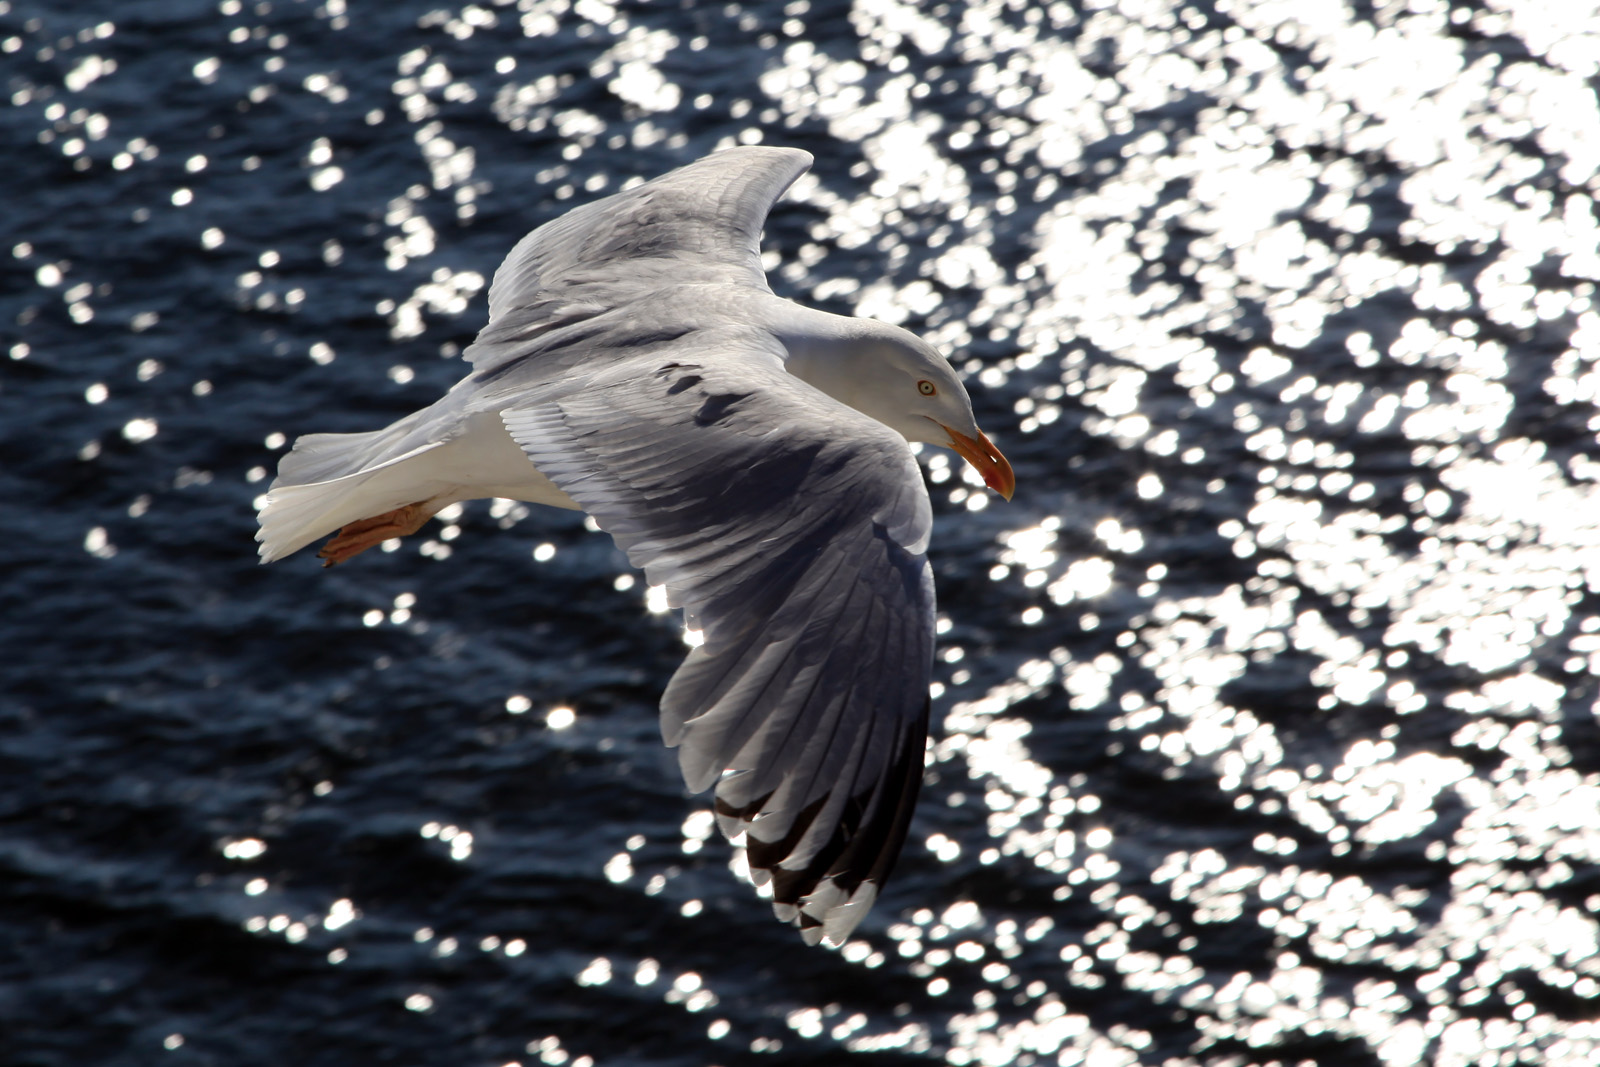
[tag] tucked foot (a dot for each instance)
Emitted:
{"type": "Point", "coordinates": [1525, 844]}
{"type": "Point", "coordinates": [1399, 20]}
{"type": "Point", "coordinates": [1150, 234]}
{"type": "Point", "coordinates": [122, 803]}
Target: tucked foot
{"type": "Point", "coordinates": [357, 537]}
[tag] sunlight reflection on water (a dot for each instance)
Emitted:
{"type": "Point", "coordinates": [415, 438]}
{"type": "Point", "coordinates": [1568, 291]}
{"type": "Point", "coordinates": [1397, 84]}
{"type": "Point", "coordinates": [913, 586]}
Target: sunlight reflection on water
{"type": "Point", "coordinates": [1478, 564]}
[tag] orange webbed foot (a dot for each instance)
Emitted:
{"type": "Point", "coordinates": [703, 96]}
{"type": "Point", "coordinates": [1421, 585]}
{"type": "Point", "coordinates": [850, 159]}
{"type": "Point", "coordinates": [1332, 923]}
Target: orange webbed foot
{"type": "Point", "coordinates": [359, 536]}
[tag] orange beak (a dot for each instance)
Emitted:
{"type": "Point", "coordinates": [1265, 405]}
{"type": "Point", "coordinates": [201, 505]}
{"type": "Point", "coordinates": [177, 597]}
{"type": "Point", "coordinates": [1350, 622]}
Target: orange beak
{"type": "Point", "coordinates": [985, 459]}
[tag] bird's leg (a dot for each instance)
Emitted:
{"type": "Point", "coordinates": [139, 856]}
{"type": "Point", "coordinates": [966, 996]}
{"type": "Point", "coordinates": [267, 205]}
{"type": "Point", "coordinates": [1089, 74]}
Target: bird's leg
{"type": "Point", "coordinates": [357, 537]}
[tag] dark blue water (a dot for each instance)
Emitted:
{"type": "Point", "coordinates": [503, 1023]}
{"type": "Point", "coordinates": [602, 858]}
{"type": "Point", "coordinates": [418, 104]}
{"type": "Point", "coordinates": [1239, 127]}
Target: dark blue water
{"type": "Point", "coordinates": [1268, 703]}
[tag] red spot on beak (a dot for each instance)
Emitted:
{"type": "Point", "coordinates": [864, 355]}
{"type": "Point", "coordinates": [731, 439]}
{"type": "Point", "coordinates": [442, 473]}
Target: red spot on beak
{"type": "Point", "coordinates": [985, 459]}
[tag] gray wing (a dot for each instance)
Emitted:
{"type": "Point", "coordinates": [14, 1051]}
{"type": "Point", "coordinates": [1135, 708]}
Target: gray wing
{"type": "Point", "coordinates": [699, 223]}
{"type": "Point", "coordinates": [792, 531]}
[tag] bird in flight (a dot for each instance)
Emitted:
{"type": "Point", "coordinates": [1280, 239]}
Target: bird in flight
{"type": "Point", "coordinates": [749, 454]}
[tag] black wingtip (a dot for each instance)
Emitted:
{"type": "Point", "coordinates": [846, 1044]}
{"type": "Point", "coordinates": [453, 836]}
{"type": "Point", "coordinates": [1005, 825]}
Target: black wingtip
{"type": "Point", "coordinates": [830, 895]}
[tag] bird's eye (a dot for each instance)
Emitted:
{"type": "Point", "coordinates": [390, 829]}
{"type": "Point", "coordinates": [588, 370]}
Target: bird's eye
{"type": "Point", "coordinates": [926, 388]}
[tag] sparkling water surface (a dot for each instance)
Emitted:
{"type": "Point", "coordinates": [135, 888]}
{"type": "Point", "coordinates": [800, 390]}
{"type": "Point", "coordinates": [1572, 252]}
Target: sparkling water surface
{"type": "Point", "coordinates": [1268, 704]}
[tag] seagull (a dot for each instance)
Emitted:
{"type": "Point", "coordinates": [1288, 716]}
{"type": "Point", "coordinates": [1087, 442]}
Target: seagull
{"type": "Point", "coordinates": [749, 454]}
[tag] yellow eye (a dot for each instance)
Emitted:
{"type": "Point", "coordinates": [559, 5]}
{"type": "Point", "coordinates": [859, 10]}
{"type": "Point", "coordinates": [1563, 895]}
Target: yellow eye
{"type": "Point", "coordinates": [926, 388]}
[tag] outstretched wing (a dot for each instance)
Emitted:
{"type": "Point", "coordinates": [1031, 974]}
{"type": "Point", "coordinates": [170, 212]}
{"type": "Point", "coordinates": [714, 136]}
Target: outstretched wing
{"type": "Point", "coordinates": [792, 531]}
{"type": "Point", "coordinates": [699, 223]}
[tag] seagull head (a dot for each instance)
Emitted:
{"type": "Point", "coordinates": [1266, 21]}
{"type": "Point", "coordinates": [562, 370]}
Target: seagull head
{"type": "Point", "coordinates": [940, 413]}
{"type": "Point", "coordinates": [902, 381]}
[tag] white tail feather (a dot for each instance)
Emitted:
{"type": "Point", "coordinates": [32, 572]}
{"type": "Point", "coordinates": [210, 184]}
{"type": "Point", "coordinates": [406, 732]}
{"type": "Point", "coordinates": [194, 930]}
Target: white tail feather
{"type": "Point", "coordinates": [295, 515]}
{"type": "Point", "coordinates": [435, 456]}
